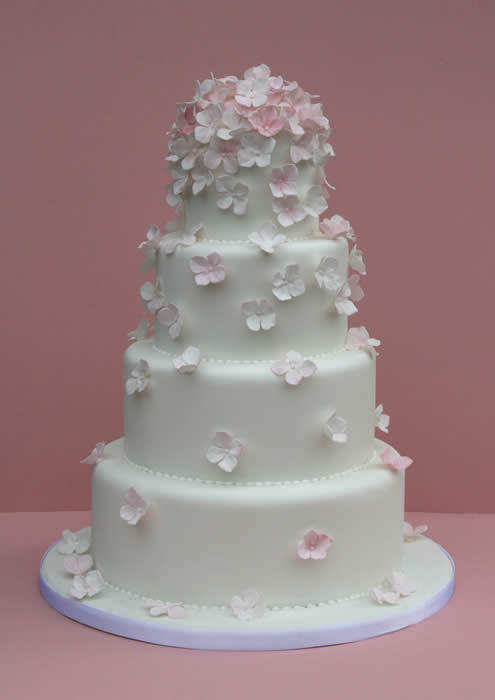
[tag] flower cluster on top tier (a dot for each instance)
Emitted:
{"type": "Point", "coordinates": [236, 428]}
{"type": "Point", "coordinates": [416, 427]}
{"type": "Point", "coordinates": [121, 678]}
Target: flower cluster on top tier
{"type": "Point", "coordinates": [232, 123]}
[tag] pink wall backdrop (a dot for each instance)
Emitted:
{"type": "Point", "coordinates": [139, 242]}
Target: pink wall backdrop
{"type": "Point", "coordinates": [88, 92]}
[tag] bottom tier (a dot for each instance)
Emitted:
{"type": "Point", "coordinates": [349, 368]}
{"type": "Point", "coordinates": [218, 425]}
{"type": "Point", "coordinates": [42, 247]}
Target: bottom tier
{"type": "Point", "coordinates": [203, 543]}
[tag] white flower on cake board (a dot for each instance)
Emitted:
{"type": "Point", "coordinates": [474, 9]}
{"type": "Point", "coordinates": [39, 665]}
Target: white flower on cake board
{"type": "Point", "coordinates": [336, 226]}
{"type": "Point", "coordinates": [327, 274]}
{"type": "Point", "coordinates": [336, 428]}
{"type": "Point", "coordinates": [224, 451]}
{"type": "Point", "coordinates": [314, 545]}
{"type": "Point", "coordinates": [283, 180]}
{"type": "Point", "coordinates": [252, 93]}
{"type": "Point", "coordinates": [208, 120]}
{"type": "Point", "coordinates": [140, 332]}
{"type": "Point", "coordinates": [153, 296]}
{"type": "Point", "coordinates": [231, 194]}
{"type": "Point", "coordinates": [267, 238]}
{"type": "Point", "coordinates": [78, 564]}
{"type": "Point", "coordinates": [382, 420]}
{"type": "Point", "coordinates": [248, 605]}
{"type": "Point", "coordinates": [288, 284]}
{"type": "Point", "coordinates": [294, 368]}
{"type": "Point", "coordinates": [207, 270]}
{"type": "Point", "coordinates": [259, 315]}
{"type": "Point", "coordinates": [134, 507]}
{"type": "Point", "coordinates": [89, 585]}
{"type": "Point", "coordinates": [202, 178]}
{"type": "Point", "coordinates": [222, 152]}
{"type": "Point", "coordinates": [398, 585]}
{"type": "Point", "coordinates": [139, 379]}
{"type": "Point", "coordinates": [359, 339]}
{"type": "Point", "coordinates": [394, 461]}
{"type": "Point", "coordinates": [255, 150]}
{"type": "Point", "coordinates": [178, 236]}
{"type": "Point", "coordinates": [169, 316]}
{"type": "Point", "coordinates": [189, 360]}
{"type": "Point", "coordinates": [289, 210]}
{"type": "Point", "coordinates": [96, 455]}
{"type": "Point", "coordinates": [315, 202]}
{"type": "Point", "coordinates": [158, 608]}
{"type": "Point", "coordinates": [412, 533]}
{"type": "Point", "coordinates": [356, 260]}
{"type": "Point", "coordinates": [78, 542]}
{"type": "Point", "coordinates": [150, 247]}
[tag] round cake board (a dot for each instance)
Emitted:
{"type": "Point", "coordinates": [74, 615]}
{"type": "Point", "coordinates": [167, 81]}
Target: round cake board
{"type": "Point", "coordinates": [124, 614]}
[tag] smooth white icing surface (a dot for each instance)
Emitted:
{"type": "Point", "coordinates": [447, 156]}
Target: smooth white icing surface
{"type": "Point", "coordinates": [212, 315]}
{"type": "Point", "coordinates": [201, 544]}
{"type": "Point", "coordinates": [169, 425]}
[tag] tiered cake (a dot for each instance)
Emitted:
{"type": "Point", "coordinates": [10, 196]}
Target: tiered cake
{"type": "Point", "coordinates": [249, 479]}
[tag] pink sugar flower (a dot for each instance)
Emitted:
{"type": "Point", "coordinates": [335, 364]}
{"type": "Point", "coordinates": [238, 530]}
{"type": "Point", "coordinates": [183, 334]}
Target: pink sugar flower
{"type": "Point", "coordinates": [314, 545]}
{"type": "Point", "coordinates": [266, 121]}
{"type": "Point", "coordinates": [283, 180]}
{"type": "Point", "coordinates": [207, 270]}
{"type": "Point", "coordinates": [394, 461]}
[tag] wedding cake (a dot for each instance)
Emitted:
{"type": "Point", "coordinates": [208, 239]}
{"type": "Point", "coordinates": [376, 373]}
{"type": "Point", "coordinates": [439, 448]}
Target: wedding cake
{"type": "Point", "coordinates": [249, 483]}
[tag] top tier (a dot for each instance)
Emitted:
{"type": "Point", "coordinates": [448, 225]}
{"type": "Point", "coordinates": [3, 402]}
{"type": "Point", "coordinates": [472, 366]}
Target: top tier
{"type": "Point", "coordinates": [246, 152]}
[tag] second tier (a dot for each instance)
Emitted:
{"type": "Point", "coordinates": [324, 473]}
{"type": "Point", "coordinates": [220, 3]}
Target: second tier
{"type": "Point", "coordinates": [172, 423]}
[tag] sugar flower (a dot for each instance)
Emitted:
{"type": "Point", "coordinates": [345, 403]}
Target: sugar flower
{"type": "Point", "coordinates": [356, 261]}
{"type": "Point", "coordinates": [224, 451]}
{"type": "Point", "coordinates": [343, 303]}
{"type": "Point", "coordinates": [311, 117]}
{"type": "Point", "coordinates": [202, 178]}
{"type": "Point", "coordinates": [261, 72]}
{"type": "Point", "coordinates": [359, 339]}
{"type": "Point", "coordinates": [180, 180]}
{"type": "Point", "coordinates": [294, 368]}
{"type": "Point", "coordinates": [255, 150]}
{"type": "Point", "coordinates": [394, 461]}
{"type": "Point", "coordinates": [222, 152]}
{"type": "Point", "coordinates": [177, 236]}
{"type": "Point", "coordinates": [283, 180]}
{"type": "Point", "coordinates": [96, 455]}
{"type": "Point", "coordinates": [207, 270]}
{"type": "Point", "coordinates": [150, 247]}
{"type": "Point", "coordinates": [327, 274]}
{"type": "Point", "coordinates": [398, 585]}
{"type": "Point", "coordinates": [186, 150]}
{"type": "Point", "coordinates": [153, 296]}
{"type": "Point", "coordinates": [231, 125]}
{"type": "Point", "coordinates": [78, 564]}
{"type": "Point", "coordinates": [208, 121]}
{"type": "Point", "coordinates": [231, 194]}
{"type": "Point", "coordinates": [336, 226]}
{"type": "Point", "coordinates": [266, 121]}
{"type": "Point", "coordinates": [382, 420]}
{"type": "Point", "coordinates": [78, 542]}
{"type": "Point", "coordinates": [267, 238]}
{"type": "Point", "coordinates": [185, 119]}
{"type": "Point", "coordinates": [259, 315]}
{"type": "Point", "coordinates": [314, 545]}
{"type": "Point", "coordinates": [140, 332]}
{"type": "Point", "coordinates": [169, 316]}
{"type": "Point", "coordinates": [252, 93]}
{"type": "Point", "coordinates": [289, 210]}
{"type": "Point", "coordinates": [139, 379]}
{"type": "Point", "coordinates": [411, 533]}
{"type": "Point", "coordinates": [89, 585]}
{"type": "Point", "coordinates": [315, 202]}
{"type": "Point", "coordinates": [134, 507]}
{"type": "Point", "coordinates": [158, 608]}
{"type": "Point", "coordinates": [248, 605]}
{"type": "Point", "coordinates": [302, 148]}
{"type": "Point", "coordinates": [189, 361]}
{"type": "Point", "coordinates": [336, 428]}
{"type": "Point", "coordinates": [289, 283]}
{"type": "Point", "coordinates": [356, 292]}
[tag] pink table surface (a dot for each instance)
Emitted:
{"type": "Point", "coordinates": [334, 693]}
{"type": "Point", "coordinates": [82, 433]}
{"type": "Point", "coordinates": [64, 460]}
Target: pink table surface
{"type": "Point", "coordinates": [44, 655]}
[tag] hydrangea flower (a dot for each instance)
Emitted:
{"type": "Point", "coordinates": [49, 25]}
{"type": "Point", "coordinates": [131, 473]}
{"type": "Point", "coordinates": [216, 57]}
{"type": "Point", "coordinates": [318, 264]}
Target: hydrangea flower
{"type": "Point", "coordinates": [208, 121]}
{"type": "Point", "coordinates": [169, 316]}
{"type": "Point", "coordinates": [327, 274]}
{"type": "Point", "coordinates": [359, 339]}
{"type": "Point", "coordinates": [89, 585]}
{"type": "Point", "coordinates": [343, 303]}
{"type": "Point", "coordinates": [180, 181]}
{"type": "Point", "coordinates": [390, 592]}
{"type": "Point", "coordinates": [153, 296]}
{"type": "Point", "coordinates": [78, 564]}
{"type": "Point", "coordinates": [202, 178]}
{"type": "Point", "coordinates": [252, 93]}
{"type": "Point", "coordinates": [394, 461]}
{"type": "Point", "coordinates": [411, 533]}
{"type": "Point", "coordinates": [294, 368]}
{"type": "Point", "coordinates": [311, 117]}
{"type": "Point", "coordinates": [224, 152]}
{"type": "Point", "coordinates": [266, 121]}
{"type": "Point", "coordinates": [158, 608]}
{"type": "Point", "coordinates": [232, 124]}
{"type": "Point", "coordinates": [232, 194]}
{"type": "Point", "coordinates": [185, 119]}
{"type": "Point", "coordinates": [356, 292]}
{"type": "Point", "coordinates": [140, 332]}
{"type": "Point", "coordinates": [96, 454]}
{"type": "Point", "coordinates": [289, 283]}
{"type": "Point", "coordinates": [259, 315]}
{"type": "Point", "coordinates": [150, 246]}
{"type": "Point", "coordinates": [382, 420]}
{"type": "Point", "coordinates": [356, 261]}
{"type": "Point", "coordinates": [336, 428]}
{"type": "Point", "coordinates": [314, 545]}
{"type": "Point", "coordinates": [255, 150]}
{"type": "Point", "coordinates": [188, 361]}
{"type": "Point", "coordinates": [268, 237]}
{"type": "Point", "coordinates": [177, 236]}
{"type": "Point", "coordinates": [224, 451]}
{"type": "Point", "coordinates": [261, 72]}
{"type": "Point", "coordinates": [139, 379]}
{"type": "Point", "coordinates": [248, 605]}
{"type": "Point", "coordinates": [336, 226]}
{"type": "Point", "coordinates": [75, 542]}
{"type": "Point", "coordinates": [283, 180]}
{"type": "Point", "coordinates": [302, 148]}
{"type": "Point", "coordinates": [185, 150]}
{"type": "Point", "coordinates": [315, 202]}
{"type": "Point", "coordinates": [289, 210]}
{"type": "Point", "coordinates": [207, 270]}
{"type": "Point", "coordinates": [134, 507]}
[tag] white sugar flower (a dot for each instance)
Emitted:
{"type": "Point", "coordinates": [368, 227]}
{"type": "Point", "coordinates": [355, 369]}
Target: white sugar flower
{"type": "Point", "coordinates": [359, 339]}
{"type": "Point", "coordinates": [140, 332]}
{"type": "Point", "coordinates": [231, 124]}
{"type": "Point", "coordinates": [96, 454]}
{"type": "Point", "coordinates": [180, 180]}
{"type": "Point", "coordinates": [177, 236]}
{"type": "Point", "coordinates": [267, 238]}
{"type": "Point", "coordinates": [336, 226]}
{"type": "Point", "coordinates": [327, 274]}
{"type": "Point", "coordinates": [382, 420]}
{"type": "Point", "coordinates": [342, 301]}
{"type": "Point", "coordinates": [232, 194]}
{"type": "Point", "coordinates": [412, 533]}
{"type": "Point", "coordinates": [208, 120]}
{"type": "Point", "coordinates": [222, 152]}
{"type": "Point", "coordinates": [186, 150]}
{"type": "Point", "coordinates": [283, 180]}
{"type": "Point", "coordinates": [356, 292]}
{"type": "Point", "coordinates": [294, 368]}
{"type": "Point", "coordinates": [88, 585]}
{"type": "Point", "coordinates": [224, 451]}
{"type": "Point", "coordinates": [315, 202]}
{"type": "Point", "coordinates": [252, 93]}
{"type": "Point", "coordinates": [398, 585]}
{"type": "Point", "coordinates": [336, 428]}
{"type": "Point", "coordinates": [150, 247]}
{"type": "Point", "coordinates": [78, 542]}
{"type": "Point", "coordinates": [139, 379]}
{"type": "Point", "coordinates": [289, 210]}
{"type": "Point", "coordinates": [202, 178]}
{"type": "Point", "coordinates": [169, 316]}
{"type": "Point", "coordinates": [78, 564]}
{"type": "Point", "coordinates": [356, 260]}
{"type": "Point", "coordinates": [207, 270]}
{"type": "Point", "coordinates": [257, 72]}
{"type": "Point", "coordinates": [157, 608]}
{"type": "Point", "coordinates": [248, 605]}
{"type": "Point", "coordinates": [134, 508]}
{"type": "Point", "coordinates": [189, 360]}
{"type": "Point", "coordinates": [288, 284]}
{"type": "Point", "coordinates": [255, 150]}
{"type": "Point", "coordinates": [259, 315]}
{"type": "Point", "coordinates": [153, 296]}
{"type": "Point", "coordinates": [302, 148]}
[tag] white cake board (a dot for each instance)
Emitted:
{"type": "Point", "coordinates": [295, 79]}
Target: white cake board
{"type": "Point", "coordinates": [124, 614]}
